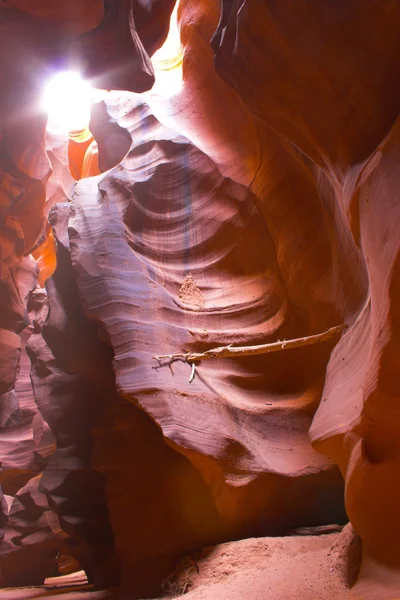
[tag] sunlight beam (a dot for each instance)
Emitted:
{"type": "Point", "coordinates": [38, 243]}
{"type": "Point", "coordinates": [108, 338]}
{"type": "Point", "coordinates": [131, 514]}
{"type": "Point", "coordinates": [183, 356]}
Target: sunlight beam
{"type": "Point", "coordinates": [67, 99]}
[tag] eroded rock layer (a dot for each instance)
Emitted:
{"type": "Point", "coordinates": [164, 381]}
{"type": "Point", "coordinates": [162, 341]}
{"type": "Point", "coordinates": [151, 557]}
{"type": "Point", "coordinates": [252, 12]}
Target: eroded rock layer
{"type": "Point", "coordinates": [194, 245]}
{"type": "Point", "coordinates": [331, 89]}
{"type": "Point", "coordinates": [258, 203]}
{"type": "Point", "coordinates": [52, 507]}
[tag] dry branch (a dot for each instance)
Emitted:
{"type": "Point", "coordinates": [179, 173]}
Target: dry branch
{"type": "Point", "coordinates": [232, 351]}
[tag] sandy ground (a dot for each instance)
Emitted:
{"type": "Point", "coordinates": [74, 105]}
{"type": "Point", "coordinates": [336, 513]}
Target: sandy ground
{"type": "Point", "coordinates": [289, 568]}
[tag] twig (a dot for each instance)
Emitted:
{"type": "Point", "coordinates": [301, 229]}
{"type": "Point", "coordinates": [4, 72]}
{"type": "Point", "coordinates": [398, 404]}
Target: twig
{"type": "Point", "coordinates": [233, 351]}
{"type": "Point", "coordinates": [192, 374]}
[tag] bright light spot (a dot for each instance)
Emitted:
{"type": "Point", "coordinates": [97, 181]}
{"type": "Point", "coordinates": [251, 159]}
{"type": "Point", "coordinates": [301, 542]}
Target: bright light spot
{"type": "Point", "coordinates": [67, 99]}
{"type": "Point", "coordinates": [167, 61]}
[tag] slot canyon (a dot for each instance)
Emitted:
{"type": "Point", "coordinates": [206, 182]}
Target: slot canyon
{"type": "Point", "coordinates": [200, 300]}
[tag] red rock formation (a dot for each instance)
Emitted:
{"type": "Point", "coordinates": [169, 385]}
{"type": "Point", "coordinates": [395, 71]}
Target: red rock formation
{"type": "Point", "coordinates": [336, 98]}
{"type": "Point", "coordinates": [211, 277]}
{"type": "Point", "coordinates": [33, 44]}
{"type": "Point", "coordinates": [258, 203]}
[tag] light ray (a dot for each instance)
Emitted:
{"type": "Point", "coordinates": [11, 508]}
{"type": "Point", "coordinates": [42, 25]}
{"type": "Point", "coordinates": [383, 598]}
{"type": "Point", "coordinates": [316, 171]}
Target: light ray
{"type": "Point", "coordinates": [67, 99]}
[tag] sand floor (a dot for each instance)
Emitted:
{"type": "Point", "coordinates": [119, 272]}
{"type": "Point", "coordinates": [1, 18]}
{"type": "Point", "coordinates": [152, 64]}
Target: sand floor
{"type": "Point", "coordinates": [289, 568]}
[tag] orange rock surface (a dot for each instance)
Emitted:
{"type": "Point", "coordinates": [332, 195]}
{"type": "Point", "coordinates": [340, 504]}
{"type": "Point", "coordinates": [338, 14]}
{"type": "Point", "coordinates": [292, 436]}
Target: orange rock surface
{"type": "Point", "coordinates": [257, 202]}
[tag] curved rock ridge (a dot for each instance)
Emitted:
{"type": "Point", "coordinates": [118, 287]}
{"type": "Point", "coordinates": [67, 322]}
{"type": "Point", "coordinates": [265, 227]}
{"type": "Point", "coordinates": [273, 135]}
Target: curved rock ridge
{"type": "Point", "coordinates": [293, 66]}
{"type": "Point", "coordinates": [257, 203]}
{"type": "Point", "coordinates": [308, 70]}
{"type": "Point", "coordinates": [165, 229]}
{"type": "Point", "coordinates": [365, 440]}
{"type": "Point", "coordinates": [34, 176]}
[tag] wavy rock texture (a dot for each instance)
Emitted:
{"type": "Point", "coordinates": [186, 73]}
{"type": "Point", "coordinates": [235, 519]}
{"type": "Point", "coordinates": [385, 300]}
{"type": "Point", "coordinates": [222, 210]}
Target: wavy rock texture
{"type": "Point", "coordinates": [354, 153]}
{"type": "Point", "coordinates": [211, 277]}
{"type": "Point", "coordinates": [258, 203]}
{"type": "Point", "coordinates": [68, 390]}
{"type": "Point", "coordinates": [34, 39]}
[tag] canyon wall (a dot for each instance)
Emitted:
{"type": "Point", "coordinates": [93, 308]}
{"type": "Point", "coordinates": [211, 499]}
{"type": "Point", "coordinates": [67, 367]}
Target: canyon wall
{"type": "Point", "coordinates": [258, 203]}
